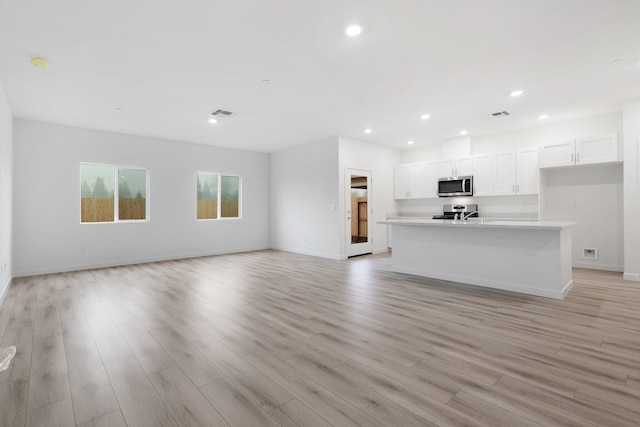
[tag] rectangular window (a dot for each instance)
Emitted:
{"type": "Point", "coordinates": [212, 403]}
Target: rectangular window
{"type": "Point", "coordinates": [104, 201]}
{"type": "Point", "coordinates": [132, 194]}
{"type": "Point", "coordinates": [97, 193]}
{"type": "Point", "coordinates": [230, 196]}
{"type": "Point", "coordinates": [207, 195]}
{"type": "Point", "coordinates": [218, 196]}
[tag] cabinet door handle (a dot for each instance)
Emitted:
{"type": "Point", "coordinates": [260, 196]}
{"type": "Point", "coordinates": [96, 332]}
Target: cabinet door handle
{"type": "Point", "coordinates": [513, 188]}
{"type": "Point", "coordinates": [571, 157]}
{"type": "Point", "coordinates": [518, 188]}
{"type": "Point", "coordinates": [578, 158]}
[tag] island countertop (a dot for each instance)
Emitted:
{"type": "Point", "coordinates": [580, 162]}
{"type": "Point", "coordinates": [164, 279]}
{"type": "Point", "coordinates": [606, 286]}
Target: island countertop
{"type": "Point", "coordinates": [530, 257]}
{"type": "Point", "coordinates": [479, 222]}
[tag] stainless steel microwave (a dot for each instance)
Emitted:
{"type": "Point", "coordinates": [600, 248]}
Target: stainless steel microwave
{"type": "Point", "coordinates": [455, 186]}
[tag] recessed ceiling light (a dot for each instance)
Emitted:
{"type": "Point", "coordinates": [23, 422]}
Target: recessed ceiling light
{"type": "Point", "coordinates": [353, 30]}
{"type": "Point", "coordinates": [368, 131]}
{"type": "Point", "coordinates": [213, 120]}
{"type": "Point", "coordinates": [425, 116]}
{"type": "Point", "coordinates": [463, 132]}
{"type": "Point", "coordinates": [40, 62]}
{"type": "Point", "coordinates": [410, 142]}
{"type": "Point", "coordinates": [544, 116]}
{"type": "Point", "coordinates": [517, 93]}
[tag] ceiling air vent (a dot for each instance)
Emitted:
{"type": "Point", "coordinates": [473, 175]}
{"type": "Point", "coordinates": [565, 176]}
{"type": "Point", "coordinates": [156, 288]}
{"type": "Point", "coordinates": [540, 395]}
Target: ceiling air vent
{"type": "Point", "coordinates": [223, 114]}
{"type": "Point", "coordinates": [500, 114]}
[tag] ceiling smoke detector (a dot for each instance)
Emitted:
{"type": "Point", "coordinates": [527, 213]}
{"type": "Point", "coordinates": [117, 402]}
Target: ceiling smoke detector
{"type": "Point", "coordinates": [223, 114]}
{"type": "Point", "coordinates": [500, 114]}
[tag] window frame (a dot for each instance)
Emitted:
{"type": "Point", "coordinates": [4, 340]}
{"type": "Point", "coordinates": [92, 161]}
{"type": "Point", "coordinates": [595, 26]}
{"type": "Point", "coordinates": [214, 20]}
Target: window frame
{"type": "Point", "coordinates": [116, 198]}
{"type": "Point", "coordinates": [219, 197]}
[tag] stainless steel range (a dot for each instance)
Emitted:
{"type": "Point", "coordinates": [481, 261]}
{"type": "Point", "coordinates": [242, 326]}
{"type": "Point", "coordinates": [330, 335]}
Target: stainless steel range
{"type": "Point", "coordinates": [458, 212]}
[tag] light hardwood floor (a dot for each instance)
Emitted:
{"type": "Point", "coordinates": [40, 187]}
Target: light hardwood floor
{"type": "Point", "coordinates": [271, 338]}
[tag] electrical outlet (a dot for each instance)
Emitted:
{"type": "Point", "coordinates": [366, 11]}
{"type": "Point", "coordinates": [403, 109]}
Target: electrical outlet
{"type": "Point", "coordinates": [590, 253]}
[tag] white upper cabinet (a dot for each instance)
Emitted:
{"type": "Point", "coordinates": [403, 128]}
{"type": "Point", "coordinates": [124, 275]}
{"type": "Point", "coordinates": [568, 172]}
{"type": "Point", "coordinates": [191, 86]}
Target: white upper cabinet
{"type": "Point", "coordinates": [401, 182]}
{"type": "Point", "coordinates": [516, 172]}
{"type": "Point", "coordinates": [409, 181]}
{"type": "Point", "coordinates": [582, 151]}
{"type": "Point", "coordinates": [483, 174]}
{"type": "Point", "coordinates": [431, 179]}
{"type": "Point", "coordinates": [599, 149]}
{"type": "Point", "coordinates": [555, 154]}
{"type": "Point", "coordinates": [527, 171]}
{"type": "Point", "coordinates": [504, 174]}
{"type": "Point", "coordinates": [447, 168]}
{"type": "Point", "coordinates": [462, 166]}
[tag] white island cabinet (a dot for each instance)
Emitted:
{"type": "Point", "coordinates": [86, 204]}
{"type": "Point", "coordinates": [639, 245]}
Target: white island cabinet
{"type": "Point", "coordinates": [530, 257]}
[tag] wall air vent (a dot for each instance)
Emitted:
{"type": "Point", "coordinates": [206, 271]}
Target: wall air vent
{"type": "Point", "coordinates": [223, 114]}
{"type": "Point", "coordinates": [500, 114]}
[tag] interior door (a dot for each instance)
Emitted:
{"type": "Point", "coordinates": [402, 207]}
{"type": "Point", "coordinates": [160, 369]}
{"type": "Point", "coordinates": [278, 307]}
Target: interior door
{"type": "Point", "coordinates": [358, 193]}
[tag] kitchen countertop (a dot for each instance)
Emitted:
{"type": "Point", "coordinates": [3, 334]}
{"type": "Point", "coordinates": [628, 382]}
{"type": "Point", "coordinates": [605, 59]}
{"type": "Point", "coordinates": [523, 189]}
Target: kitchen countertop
{"type": "Point", "coordinates": [479, 222]}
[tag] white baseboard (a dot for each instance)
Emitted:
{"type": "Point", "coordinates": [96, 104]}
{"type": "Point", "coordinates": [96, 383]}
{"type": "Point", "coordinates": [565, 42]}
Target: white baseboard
{"type": "Point", "coordinates": [116, 263]}
{"type": "Point", "coordinates": [632, 277]}
{"type": "Point", "coordinates": [5, 290]}
{"type": "Point", "coordinates": [310, 253]}
{"type": "Point", "coordinates": [597, 266]}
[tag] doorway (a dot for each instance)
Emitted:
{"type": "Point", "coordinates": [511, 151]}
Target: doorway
{"type": "Point", "coordinates": [358, 226]}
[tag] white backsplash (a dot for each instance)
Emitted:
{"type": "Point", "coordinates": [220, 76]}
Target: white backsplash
{"type": "Point", "coordinates": [499, 207]}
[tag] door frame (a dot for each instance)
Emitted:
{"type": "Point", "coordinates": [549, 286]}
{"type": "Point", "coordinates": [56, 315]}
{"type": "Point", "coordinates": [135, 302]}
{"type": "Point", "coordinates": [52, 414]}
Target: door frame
{"type": "Point", "coordinates": [355, 249]}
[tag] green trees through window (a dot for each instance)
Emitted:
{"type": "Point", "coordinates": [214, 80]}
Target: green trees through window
{"type": "Point", "coordinates": [218, 196]}
{"type": "Point", "coordinates": [98, 193]}
{"type": "Point", "coordinates": [112, 194]}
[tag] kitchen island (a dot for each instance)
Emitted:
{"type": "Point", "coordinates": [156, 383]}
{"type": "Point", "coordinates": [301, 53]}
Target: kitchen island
{"type": "Point", "coordinates": [530, 257]}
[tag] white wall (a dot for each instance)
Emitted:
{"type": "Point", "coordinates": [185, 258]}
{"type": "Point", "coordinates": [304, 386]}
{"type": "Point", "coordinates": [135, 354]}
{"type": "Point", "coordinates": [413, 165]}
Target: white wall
{"type": "Point", "coordinates": [593, 197]}
{"type": "Point", "coordinates": [304, 187]}
{"type": "Point", "coordinates": [631, 140]}
{"type": "Point", "coordinates": [48, 235]}
{"type": "Point", "coordinates": [6, 202]}
{"type": "Point", "coordinates": [380, 161]}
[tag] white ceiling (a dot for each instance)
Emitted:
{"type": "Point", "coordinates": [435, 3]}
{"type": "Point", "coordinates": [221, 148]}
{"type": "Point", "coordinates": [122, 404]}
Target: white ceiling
{"type": "Point", "coordinates": [168, 64]}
